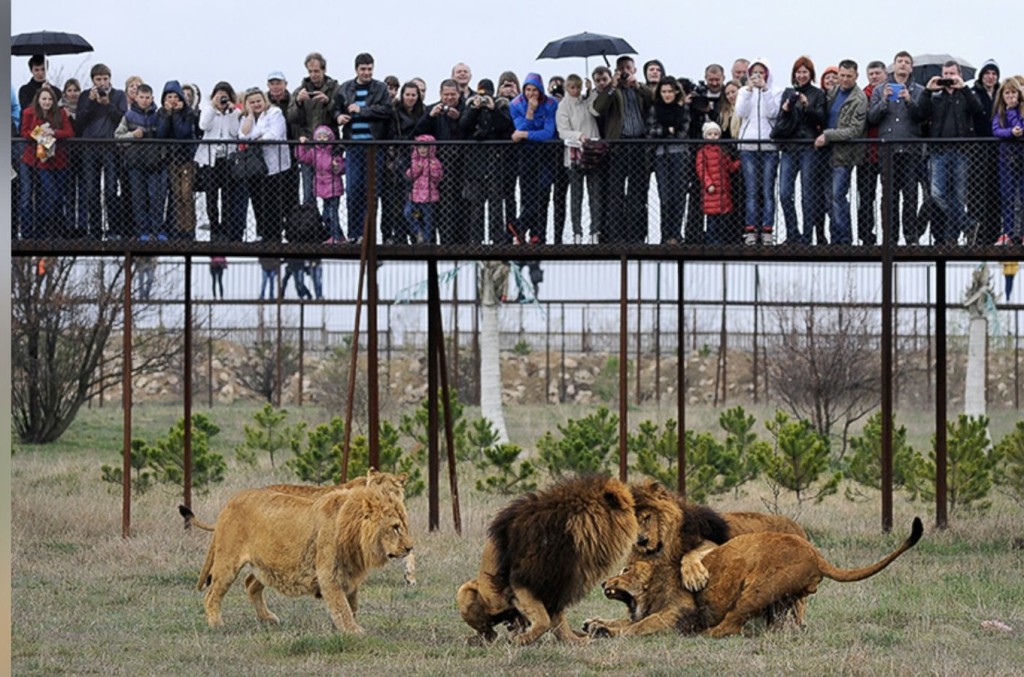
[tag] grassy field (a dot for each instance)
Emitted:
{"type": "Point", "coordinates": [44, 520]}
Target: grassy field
{"type": "Point", "coordinates": [85, 601]}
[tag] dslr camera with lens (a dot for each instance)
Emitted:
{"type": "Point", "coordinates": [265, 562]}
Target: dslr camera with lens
{"type": "Point", "coordinates": [945, 82]}
{"type": "Point", "coordinates": [103, 92]}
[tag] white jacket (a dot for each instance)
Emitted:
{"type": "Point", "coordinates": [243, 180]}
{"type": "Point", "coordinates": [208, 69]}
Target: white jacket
{"type": "Point", "coordinates": [758, 109]}
{"type": "Point", "coordinates": [216, 124]}
{"type": "Point", "coordinates": [271, 126]}
{"type": "Point", "coordinates": [575, 120]}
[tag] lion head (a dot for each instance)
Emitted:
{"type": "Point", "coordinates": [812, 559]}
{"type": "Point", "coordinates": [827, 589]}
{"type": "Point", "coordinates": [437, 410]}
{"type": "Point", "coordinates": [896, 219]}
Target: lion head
{"type": "Point", "coordinates": [375, 520]}
{"type": "Point", "coordinates": [630, 586]}
{"type": "Point", "coordinates": [658, 515]}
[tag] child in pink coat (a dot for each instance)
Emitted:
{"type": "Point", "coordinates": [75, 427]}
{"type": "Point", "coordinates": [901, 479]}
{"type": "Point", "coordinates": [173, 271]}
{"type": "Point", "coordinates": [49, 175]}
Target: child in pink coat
{"type": "Point", "coordinates": [328, 166]}
{"type": "Point", "coordinates": [425, 172]}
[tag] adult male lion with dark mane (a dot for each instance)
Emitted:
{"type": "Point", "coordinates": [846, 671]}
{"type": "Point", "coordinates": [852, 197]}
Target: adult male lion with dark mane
{"type": "Point", "coordinates": [544, 551]}
{"type": "Point", "coordinates": [391, 483]}
{"type": "Point", "coordinates": [301, 545]}
{"type": "Point", "coordinates": [756, 574]}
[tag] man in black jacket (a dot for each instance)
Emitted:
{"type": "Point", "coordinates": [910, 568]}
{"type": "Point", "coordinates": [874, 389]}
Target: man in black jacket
{"type": "Point", "coordinates": [952, 108]}
{"type": "Point", "coordinates": [441, 120]}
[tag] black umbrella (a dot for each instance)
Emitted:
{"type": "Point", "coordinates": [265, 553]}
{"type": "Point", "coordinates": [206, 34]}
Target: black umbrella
{"type": "Point", "coordinates": [48, 42]}
{"type": "Point", "coordinates": [585, 45]}
{"type": "Point", "coordinates": [927, 66]}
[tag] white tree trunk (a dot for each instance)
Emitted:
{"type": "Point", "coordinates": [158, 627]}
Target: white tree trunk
{"type": "Point", "coordinates": [974, 384]}
{"type": "Point", "coordinates": [493, 276]}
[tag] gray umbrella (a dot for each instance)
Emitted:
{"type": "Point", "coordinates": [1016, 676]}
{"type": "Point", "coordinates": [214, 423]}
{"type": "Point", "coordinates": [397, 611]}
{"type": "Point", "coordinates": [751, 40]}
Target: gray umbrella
{"type": "Point", "coordinates": [585, 45]}
{"type": "Point", "coordinates": [926, 66]}
{"type": "Point", "coordinates": [48, 42]}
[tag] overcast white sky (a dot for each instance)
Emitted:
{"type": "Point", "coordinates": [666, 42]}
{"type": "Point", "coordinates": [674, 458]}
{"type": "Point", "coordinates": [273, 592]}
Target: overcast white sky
{"type": "Point", "coordinates": [206, 41]}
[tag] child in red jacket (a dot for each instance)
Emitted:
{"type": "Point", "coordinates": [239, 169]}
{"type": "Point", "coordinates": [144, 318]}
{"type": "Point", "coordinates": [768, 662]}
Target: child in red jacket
{"type": "Point", "coordinates": [425, 172]}
{"type": "Point", "coordinates": [714, 166]}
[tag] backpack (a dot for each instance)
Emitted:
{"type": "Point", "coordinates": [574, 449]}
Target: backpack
{"type": "Point", "coordinates": [304, 225]}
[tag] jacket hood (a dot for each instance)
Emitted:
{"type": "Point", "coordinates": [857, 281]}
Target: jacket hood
{"type": "Point", "coordinates": [172, 86]}
{"type": "Point", "coordinates": [989, 65]}
{"type": "Point", "coordinates": [767, 66]}
{"type": "Point", "coordinates": [538, 82]}
{"type": "Point", "coordinates": [427, 139]}
{"type": "Point", "coordinates": [828, 69]}
{"type": "Point", "coordinates": [660, 65]}
{"type": "Point", "coordinates": [325, 129]}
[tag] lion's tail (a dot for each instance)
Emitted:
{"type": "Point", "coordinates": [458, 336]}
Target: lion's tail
{"type": "Point", "coordinates": [850, 575]}
{"type": "Point", "coordinates": [191, 520]}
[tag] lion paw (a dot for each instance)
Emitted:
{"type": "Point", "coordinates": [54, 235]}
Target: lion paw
{"type": "Point", "coordinates": [410, 579]}
{"type": "Point", "coordinates": [695, 575]}
{"type": "Point", "coordinates": [596, 628]}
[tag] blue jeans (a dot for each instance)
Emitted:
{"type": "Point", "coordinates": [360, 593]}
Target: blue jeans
{"type": "Point", "coordinates": [330, 215]}
{"type": "Point", "coordinates": [759, 168]}
{"type": "Point", "coordinates": [949, 189]}
{"type": "Point", "coordinates": [810, 163]}
{"type": "Point", "coordinates": [99, 172]}
{"type": "Point", "coordinates": [536, 174]}
{"type": "Point", "coordinates": [424, 224]}
{"type": "Point", "coordinates": [357, 169]}
{"type": "Point", "coordinates": [841, 230]}
{"type": "Point", "coordinates": [148, 192]}
{"type": "Point", "coordinates": [39, 219]}
{"type": "Point", "coordinates": [269, 285]}
{"type": "Point", "coordinates": [1011, 186]}
{"type": "Point", "coordinates": [668, 167]}
{"type": "Point", "coordinates": [316, 274]}
{"type": "Point", "coordinates": [308, 174]}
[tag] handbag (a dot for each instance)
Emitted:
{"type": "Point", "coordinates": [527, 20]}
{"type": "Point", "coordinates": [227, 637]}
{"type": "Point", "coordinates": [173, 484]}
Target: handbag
{"type": "Point", "coordinates": [787, 125]}
{"type": "Point", "coordinates": [594, 155]}
{"type": "Point", "coordinates": [247, 164]}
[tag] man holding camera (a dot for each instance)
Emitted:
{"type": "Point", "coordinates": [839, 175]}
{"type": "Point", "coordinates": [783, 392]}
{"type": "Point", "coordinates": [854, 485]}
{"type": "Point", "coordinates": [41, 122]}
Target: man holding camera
{"type": "Point", "coordinates": [951, 107]}
{"type": "Point", "coordinates": [311, 106]}
{"type": "Point", "coordinates": [485, 118]}
{"type": "Point", "coordinates": [441, 120]}
{"type": "Point", "coordinates": [100, 109]}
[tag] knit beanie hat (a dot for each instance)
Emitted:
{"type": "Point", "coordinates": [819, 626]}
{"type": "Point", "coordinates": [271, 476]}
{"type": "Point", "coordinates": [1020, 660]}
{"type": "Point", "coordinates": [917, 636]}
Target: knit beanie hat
{"type": "Point", "coordinates": [710, 126]}
{"type": "Point", "coordinates": [485, 87]}
{"type": "Point", "coordinates": [989, 65]}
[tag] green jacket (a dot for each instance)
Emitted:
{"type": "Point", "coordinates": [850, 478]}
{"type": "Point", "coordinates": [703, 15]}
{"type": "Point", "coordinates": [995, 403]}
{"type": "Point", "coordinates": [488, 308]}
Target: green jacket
{"type": "Point", "coordinates": [607, 107]}
{"type": "Point", "coordinates": [309, 115]}
{"type": "Point", "coordinates": [852, 124]}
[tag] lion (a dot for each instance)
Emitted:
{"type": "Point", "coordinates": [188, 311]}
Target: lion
{"type": "Point", "coordinates": [299, 545]}
{"type": "Point", "coordinates": [751, 575]}
{"type": "Point", "coordinates": [385, 481]}
{"type": "Point", "coordinates": [544, 551]}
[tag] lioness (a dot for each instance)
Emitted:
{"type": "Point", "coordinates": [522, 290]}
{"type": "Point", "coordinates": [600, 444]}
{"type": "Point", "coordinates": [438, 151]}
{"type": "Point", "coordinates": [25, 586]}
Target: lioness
{"type": "Point", "coordinates": [385, 481]}
{"type": "Point", "coordinates": [301, 546]}
{"type": "Point", "coordinates": [751, 575]}
{"type": "Point", "coordinates": [544, 551]}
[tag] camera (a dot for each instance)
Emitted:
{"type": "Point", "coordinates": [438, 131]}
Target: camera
{"type": "Point", "coordinates": [558, 90]}
{"type": "Point", "coordinates": [224, 100]}
{"type": "Point", "coordinates": [945, 82]}
{"type": "Point", "coordinates": [103, 92]}
{"type": "Point", "coordinates": [445, 108]}
{"type": "Point", "coordinates": [310, 88]}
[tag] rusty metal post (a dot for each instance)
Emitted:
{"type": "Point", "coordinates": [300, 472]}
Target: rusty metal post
{"type": "Point", "coordinates": [187, 382]}
{"type": "Point", "coordinates": [888, 239]}
{"type": "Point", "coordinates": [126, 403]}
{"type": "Point", "coordinates": [757, 293]}
{"type": "Point", "coordinates": [941, 518]}
{"type": "Point", "coordinates": [639, 322]}
{"type": "Point", "coordinates": [372, 375]}
{"type": "Point", "coordinates": [446, 398]}
{"type": "Point", "coordinates": [623, 359]}
{"type": "Point", "coordinates": [302, 352]}
{"type": "Point", "coordinates": [209, 356]}
{"type": "Point", "coordinates": [352, 365]}
{"type": "Point", "coordinates": [433, 460]}
{"type": "Point", "coordinates": [680, 382]}
{"type": "Point", "coordinates": [657, 336]}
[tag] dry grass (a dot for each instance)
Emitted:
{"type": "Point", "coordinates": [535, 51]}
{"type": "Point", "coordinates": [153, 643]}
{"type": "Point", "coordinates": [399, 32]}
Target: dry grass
{"type": "Point", "coordinates": [86, 601]}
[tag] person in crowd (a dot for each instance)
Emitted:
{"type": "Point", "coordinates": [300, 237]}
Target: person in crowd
{"type": "Point", "coordinates": [422, 84]}
{"type": "Point", "coordinates": [424, 173]}
{"type": "Point", "coordinates": [704, 101]}
{"type": "Point", "coordinates": [145, 164]}
{"type": "Point", "coordinates": [218, 122]}
{"type": "Point", "coordinates": [362, 109]}
{"type": "Point", "coordinates": [177, 121]}
{"type": "Point", "coordinates": [266, 123]}
{"type": "Point", "coordinates": [120, 218]}
{"type": "Point", "coordinates": [983, 197]}
{"type": "Point", "coordinates": [1008, 126]}
{"type": "Point", "coordinates": [576, 126]}
{"type": "Point", "coordinates": [847, 115]}
{"type": "Point", "coordinates": [463, 75]}
{"type": "Point", "coordinates": [269, 265]}
{"type": "Point", "coordinates": [896, 109]}
{"type": "Point", "coordinates": [441, 121]}
{"type": "Point", "coordinates": [669, 121]}
{"type": "Point", "coordinates": [801, 119]}
{"type": "Point", "coordinates": [739, 70]}
{"type": "Point", "coordinates": [295, 268]}
{"type": "Point", "coordinates": [729, 123]}
{"type": "Point", "coordinates": [758, 105]}
{"type": "Point", "coordinates": [131, 88]}
{"type": "Point", "coordinates": [393, 84]}
{"type": "Point", "coordinates": [715, 167]}
{"type": "Point", "coordinates": [37, 65]}
{"type": "Point", "coordinates": [69, 97]}
{"type": "Point", "coordinates": [533, 114]}
{"type": "Point", "coordinates": [508, 89]}
{"type": "Point", "coordinates": [100, 109]}
{"type": "Point", "coordinates": [620, 105]}
{"type": "Point", "coordinates": [315, 270]}
{"type": "Point", "coordinates": [44, 164]}
{"type": "Point", "coordinates": [218, 264]}
{"type": "Point", "coordinates": [485, 118]}
{"type": "Point", "coordinates": [654, 71]}
{"type": "Point", "coordinates": [952, 109]}
{"type": "Point", "coordinates": [328, 163]}
{"type": "Point", "coordinates": [280, 97]}
{"type": "Point", "coordinates": [408, 109]}
{"type": "Point", "coordinates": [869, 172]}
{"type": "Point", "coordinates": [560, 175]}
{"type": "Point", "coordinates": [72, 192]}
{"type": "Point", "coordinates": [829, 78]}
{"type": "Point", "coordinates": [312, 105]}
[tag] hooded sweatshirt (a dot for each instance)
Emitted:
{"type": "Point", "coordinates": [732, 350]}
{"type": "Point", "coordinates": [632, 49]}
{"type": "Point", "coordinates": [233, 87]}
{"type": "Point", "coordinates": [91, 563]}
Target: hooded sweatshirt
{"type": "Point", "coordinates": [142, 156]}
{"type": "Point", "coordinates": [327, 162]}
{"type": "Point", "coordinates": [983, 121]}
{"type": "Point", "coordinates": [758, 108]}
{"type": "Point", "coordinates": [425, 171]}
{"type": "Point", "coordinates": [543, 125]}
{"type": "Point", "coordinates": [179, 124]}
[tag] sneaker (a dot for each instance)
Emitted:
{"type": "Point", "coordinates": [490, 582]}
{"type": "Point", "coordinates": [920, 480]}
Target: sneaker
{"type": "Point", "coordinates": [767, 235]}
{"type": "Point", "coordinates": [750, 235]}
{"type": "Point", "coordinates": [143, 237]}
{"type": "Point", "coordinates": [162, 237]}
{"type": "Point", "coordinates": [1003, 241]}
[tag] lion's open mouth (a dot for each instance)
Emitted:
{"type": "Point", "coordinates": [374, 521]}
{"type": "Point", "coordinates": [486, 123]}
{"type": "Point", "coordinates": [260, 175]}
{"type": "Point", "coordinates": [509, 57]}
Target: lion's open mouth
{"type": "Point", "coordinates": [621, 595]}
